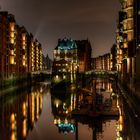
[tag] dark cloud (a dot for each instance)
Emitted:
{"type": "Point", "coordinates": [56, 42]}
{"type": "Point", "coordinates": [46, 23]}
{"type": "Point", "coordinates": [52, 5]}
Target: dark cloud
{"type": "Point", "coordinates": [49, 20]}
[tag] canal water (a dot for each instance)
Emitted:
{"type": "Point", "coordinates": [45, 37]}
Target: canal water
{"type": "Point", "coordinates": [38, 113]}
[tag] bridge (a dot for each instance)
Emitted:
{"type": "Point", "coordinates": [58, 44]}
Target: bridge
{"type": "Point", "coordinates": [104, 73]}
{"type": "Point", "coordinates": [48, 72]}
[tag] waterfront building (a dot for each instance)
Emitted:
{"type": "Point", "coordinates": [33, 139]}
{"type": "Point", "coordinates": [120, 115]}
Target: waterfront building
{"type": "Point", "coordinates": [37, 56]}
{"type": "Point", "coordinates": [46, 63]}
{"type": "Point", "coordinates": [97, 63]}
{"type": "Point", "coordinates": [71, 57]}
{"type": "Point", "coordinates": [128, 42]}
{"type": "Point", "coordinates": [30, 53]}
{"type": "Point", "coordinates": [127, 38]}
{"type": "Point", "coordinates": [103, 62]}
{"type": "Point", "coordinates": [34, 55]}
{"type": "Point", "coordinates": [137, 37]}
{"type": "Point", "coordinates": [84, 55]}
{"type": "Point", "coordinates": [65, 62]}
{"type": "Point", "coordinates": [7, 43]}
{"type": "Point", "coordinates": [20, 53]}
{"type": "Point", "coordinates": [108, 62]}
{"type": "Point", "coordinates": [114, 52]}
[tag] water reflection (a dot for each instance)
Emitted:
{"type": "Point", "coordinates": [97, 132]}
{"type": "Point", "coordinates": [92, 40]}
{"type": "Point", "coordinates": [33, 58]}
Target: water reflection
{"type": "Point", "coordinates": [62, 106]}
{"type": "Point", "coordinates": [19, 112]}
{"type": "Point", "coordinates": [36, 113]}
{"type": "Point", "coordinates": [128, 125]}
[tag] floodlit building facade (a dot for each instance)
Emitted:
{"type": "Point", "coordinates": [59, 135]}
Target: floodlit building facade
{"type": "Point", "coordinates": [128, 42]}
{"type": "Point", "coordinates": [71, 57]}
{"type": "Point", "coordinates": [17, 57]}
{"type": "Point", "coordinates": [103, 62]}
{"type": "Point", "coordinates": [65, 64]}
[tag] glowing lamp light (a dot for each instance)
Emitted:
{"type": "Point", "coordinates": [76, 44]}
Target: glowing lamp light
{"type": "Point", "coordinates": [57, 77]}
{"type": "Point", "coordinates": [57, 105]}
{"type": "Point", "coordinates": [64, 77]}
{"type": "Point", "coordinates": [55, 121]}
{"type": "Point", "coordinates": [59, 121]}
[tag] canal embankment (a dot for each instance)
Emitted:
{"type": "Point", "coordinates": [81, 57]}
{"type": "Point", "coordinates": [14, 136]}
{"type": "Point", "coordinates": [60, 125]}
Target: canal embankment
{"type": "Point", "coordinates": [132, 101]}
{"type": "Point", "coordinates": [13, 83]}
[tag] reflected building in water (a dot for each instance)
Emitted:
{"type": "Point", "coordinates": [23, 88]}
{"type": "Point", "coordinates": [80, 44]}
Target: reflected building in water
{"type": "Point", "coordinates": [128, 125]}
{"type": "Point", "coordinates": [19, 114]}
{"type": "Point", "coordinates": [61, 109]}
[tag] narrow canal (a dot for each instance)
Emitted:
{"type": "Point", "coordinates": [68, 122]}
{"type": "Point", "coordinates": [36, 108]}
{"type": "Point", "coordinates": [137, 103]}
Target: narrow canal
{"type": "Point", "coordinates": [38, 113]}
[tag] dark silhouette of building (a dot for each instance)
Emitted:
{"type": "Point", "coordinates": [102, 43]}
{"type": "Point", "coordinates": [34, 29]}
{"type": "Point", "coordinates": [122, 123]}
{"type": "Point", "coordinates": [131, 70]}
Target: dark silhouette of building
{"type": "Point", "coordinates": [84, 55]}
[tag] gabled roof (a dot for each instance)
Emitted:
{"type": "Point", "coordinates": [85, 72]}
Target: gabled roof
{"type": "Point", "coordinates": [62, 61]}
{"type": "Point", "coordinates": [66, 44]}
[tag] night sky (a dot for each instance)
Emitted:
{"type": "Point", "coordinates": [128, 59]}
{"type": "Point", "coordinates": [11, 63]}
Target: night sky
{"type": "Point", "coordinates": [49, 20]}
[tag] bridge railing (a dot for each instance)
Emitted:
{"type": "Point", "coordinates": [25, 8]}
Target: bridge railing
{"type": "Point", "coordinates": [101, 72]}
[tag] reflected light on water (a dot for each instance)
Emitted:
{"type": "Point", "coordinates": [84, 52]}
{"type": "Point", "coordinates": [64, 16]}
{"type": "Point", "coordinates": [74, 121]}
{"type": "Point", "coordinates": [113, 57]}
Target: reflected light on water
{"type": "Point", "coordinates": [24, 130]}
{"type": "Point", "coordinates": [41, 103]}
{"type": "Point", "coordinates": [55, 121]}
{"type": "Point", "coordinates": [13, 136]}
{"type": "Point", "coordinates": [24, 109]}
{"type": "Point", "coordinates": [33, 108]}
{"type": "Point", "coordinates": [13, 126]}
{"type": "Point", "coordinates": [12, 118]}
{"type": "Point", "coordinates": [66, 121]}
{"type": "Point", "coordinates": [120, 122]}
{"type": "Point", "coordinates": [37, 106]}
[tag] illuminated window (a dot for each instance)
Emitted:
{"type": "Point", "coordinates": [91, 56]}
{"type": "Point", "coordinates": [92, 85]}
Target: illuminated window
{"type": "Point", "coordinates": [12, 40]}
{"type": "Point", "coordinates": [23, 56]}
{"type": "Point", "coordinates": [128, 65]}
{"type": "Point", "coordinates": [23, 47]}
{"type": "Point", "coordinates": [130, 13]}
{"type": "Point", "coordinates": [129, 3]}
{"type": "Point", "coordinates": [23, 37]}
{"type": "Point", "coordinates": [125, 45]}
{"type": "Point", "coordinates": [23, 42]}
{"type": "Point", "coordinates": [12, 34]}
{"type": "Point", "coordinates": [124, 4]}
{"type": "Point", "coordinates": [12, 52]}
{"type": "Point", "coordinates": [120, 51]}
{"type": "Point", "coordinates": [23, 62]}
{"type": "Point", "coordinates": [11, 59]}
{"type": "Point", "coordinates": [130, 35]}
{"type": "Point", "coordinates": [125, 25]}
{"type": "Point", "coordinates": [130, 24]}
{"type": "Point", "coordinates": [12, 26]}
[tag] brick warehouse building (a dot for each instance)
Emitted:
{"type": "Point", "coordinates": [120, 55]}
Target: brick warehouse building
{"type": "Point", "coordinates": [20, 53]}
{"type": "Point", "coordinates": [128, 42]}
